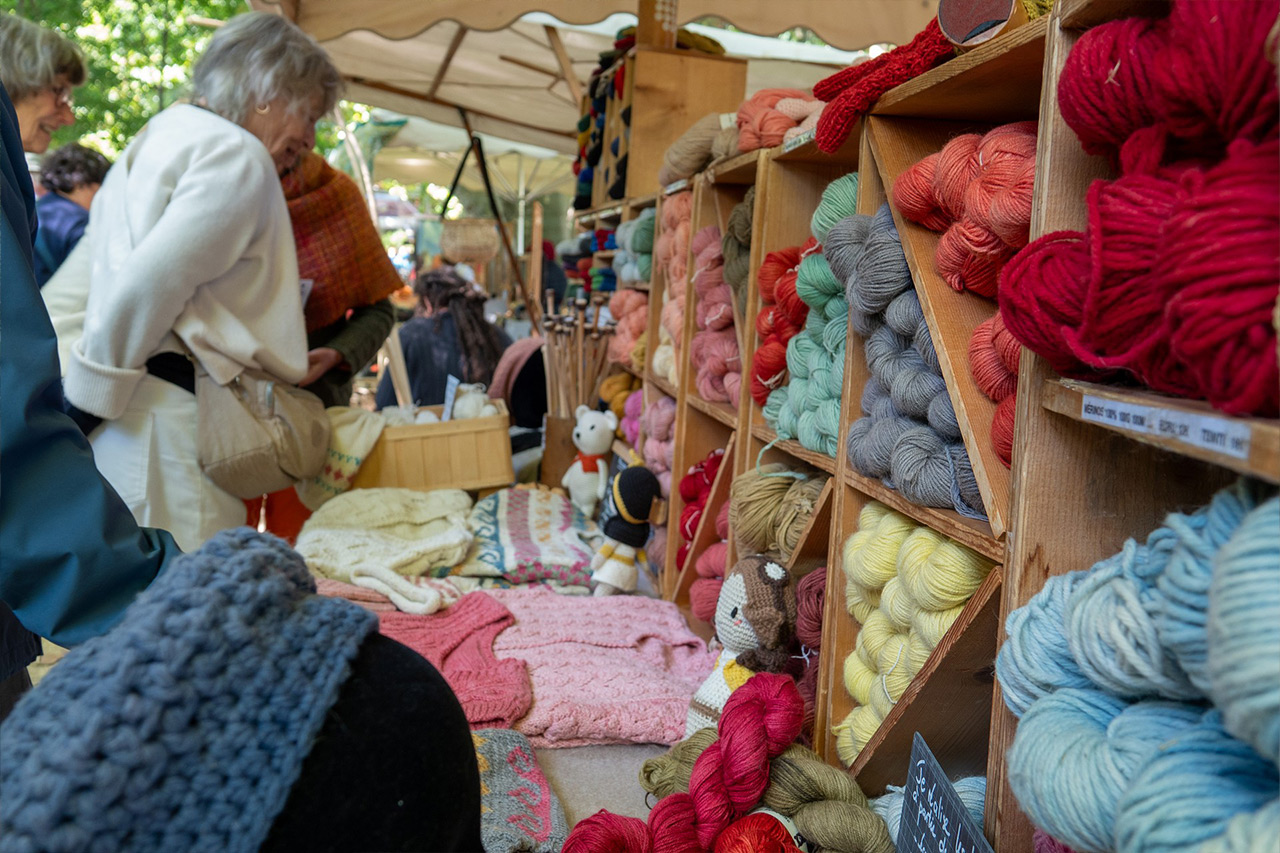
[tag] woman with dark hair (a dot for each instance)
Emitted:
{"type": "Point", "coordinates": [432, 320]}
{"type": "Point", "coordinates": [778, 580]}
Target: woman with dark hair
{"type": "Point", "coordinates": [448, 335]}
{"type": "Point", "coordinates": [72, 176]}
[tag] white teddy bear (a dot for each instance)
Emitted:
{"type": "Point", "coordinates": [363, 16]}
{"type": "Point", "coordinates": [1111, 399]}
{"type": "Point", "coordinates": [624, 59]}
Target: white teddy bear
{"type": "Point", "coordinates": [588, 476]}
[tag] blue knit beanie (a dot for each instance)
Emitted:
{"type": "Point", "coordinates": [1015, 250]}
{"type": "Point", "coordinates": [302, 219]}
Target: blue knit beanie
{"type": "Point", "coordinates": [185, 726]}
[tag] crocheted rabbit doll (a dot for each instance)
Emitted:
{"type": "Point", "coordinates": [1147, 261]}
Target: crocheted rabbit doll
{"type": "Point", "coordinates": [626, 529]}
{"type": "Point", "coordinates": [755, 621]}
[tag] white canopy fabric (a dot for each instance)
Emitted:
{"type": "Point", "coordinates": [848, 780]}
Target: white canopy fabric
{"type": "Point", "coordinates": [516, 66]}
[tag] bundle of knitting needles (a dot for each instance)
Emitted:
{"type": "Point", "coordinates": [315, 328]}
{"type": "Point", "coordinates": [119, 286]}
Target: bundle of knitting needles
{"type": "Point", "coordinates": [575, 350]}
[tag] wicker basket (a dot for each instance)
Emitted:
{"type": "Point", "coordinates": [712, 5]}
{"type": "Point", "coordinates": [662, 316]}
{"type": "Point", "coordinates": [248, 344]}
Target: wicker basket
{"type": "Point", "coordinates": [472, 241]}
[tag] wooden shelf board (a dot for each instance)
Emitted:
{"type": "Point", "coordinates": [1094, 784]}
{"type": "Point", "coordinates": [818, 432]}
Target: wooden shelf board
{"type": "Point", "coordinates": [642, 286]}
{"type": "Point", "coordinates": [1082, 14]}
{"type": "Point", "coordinates": [970, 532]}
{"type": "Point", "coordinates": [627, 368]}
{"type": "Point", "coordinates": [948, 702]}
{"type": "Point", "coordinates": [898, 144]}
{"type": "Point", "coordinates": [811, 551]}
{"type": "Point", "coordinates": [793, 448]}
{"type": "Point", "coordinates": [720, 411]}
{"type": "Point", "coordinates": [604, 254]}
{"type": "Point", "coordinates": [738, 169]}
{"type": "Point", "coordinates": [611, 210]}
{"type": "Point", "coordinates": [1257, 439]}
{"type": "Point", "coordinates": [642, 202]}
{"type": "Point", "coordinates": [803, 149]}
{"type": "Point", "coordinates": [996, 82]}
{"type": "Point", "coordinates": [661, 384]}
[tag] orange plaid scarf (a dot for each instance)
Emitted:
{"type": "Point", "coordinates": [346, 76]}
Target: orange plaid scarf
{"type": "Point", "coordinates": [338, 246]}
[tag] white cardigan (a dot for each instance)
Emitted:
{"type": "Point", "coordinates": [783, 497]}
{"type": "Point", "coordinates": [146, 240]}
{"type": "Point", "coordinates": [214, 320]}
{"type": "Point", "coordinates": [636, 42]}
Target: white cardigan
{"type": "Point", "coordinates": [190, 241]}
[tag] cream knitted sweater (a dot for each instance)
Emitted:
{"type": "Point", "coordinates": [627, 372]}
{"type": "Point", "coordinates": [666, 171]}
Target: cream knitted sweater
{"type": "Point", "coordinates": [190, 241]}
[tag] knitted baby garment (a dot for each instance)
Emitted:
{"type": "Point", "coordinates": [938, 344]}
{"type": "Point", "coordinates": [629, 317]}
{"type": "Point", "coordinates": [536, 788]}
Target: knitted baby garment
{"type": "Point", "coordinates": [186, 725]}
{"type": "Point", "coordinates": [518, 809]}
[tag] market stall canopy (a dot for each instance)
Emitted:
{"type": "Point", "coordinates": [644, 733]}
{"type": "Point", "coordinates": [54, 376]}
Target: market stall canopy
{"type": "Point", "coordinates": [518, 66]}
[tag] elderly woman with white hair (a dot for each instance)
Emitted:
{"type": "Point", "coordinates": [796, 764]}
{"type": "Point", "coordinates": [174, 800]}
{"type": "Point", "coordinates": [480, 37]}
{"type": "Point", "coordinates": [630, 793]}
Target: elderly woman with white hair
{"type": "Point", "coordinates": [193, 258]}
{"type": "Point", "coordinates": [38, 68]}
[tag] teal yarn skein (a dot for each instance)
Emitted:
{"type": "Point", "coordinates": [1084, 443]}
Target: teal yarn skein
{"type": "Point", "coordinates": [1076, 751]}
{"type": "Point", "coordinates": [1244, 630]}
{"type": "Point", "coordinates": [1034, 659]}
{"type": "Point", "coordinates": [1192, 786]}
{"type": "Point", "coordinates": [839, 199]}
{"type": "Point", "coordinates": [1112, 633]}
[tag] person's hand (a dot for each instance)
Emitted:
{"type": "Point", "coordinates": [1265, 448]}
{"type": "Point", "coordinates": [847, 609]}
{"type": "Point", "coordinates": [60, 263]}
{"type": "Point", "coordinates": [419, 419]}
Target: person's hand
{"type": "Point", "coordinates": [320, 360]}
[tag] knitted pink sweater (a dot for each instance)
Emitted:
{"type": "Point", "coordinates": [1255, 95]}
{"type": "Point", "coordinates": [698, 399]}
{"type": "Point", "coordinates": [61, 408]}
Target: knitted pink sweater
{"type": "Point", "coordinates": [616, 669]}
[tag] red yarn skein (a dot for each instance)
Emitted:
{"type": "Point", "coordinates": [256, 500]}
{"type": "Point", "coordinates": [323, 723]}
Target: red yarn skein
{"type": "Point", "coordinates": [756, 833]}
{"type": "Point", "coordinates": [1042, 291]}
{"type": "Point", "coordinates": [1002, 429]}
{"type": "Point", "coordinates": [994, 378]}
{"type": "Point", "coordinates": [604, 832]}
{"type": "Point", "coordinates": [970, 258]}
{"type": "Point", "coordinates": [913, 194]}
{"type": "Point", "coordinates": [957, 166]}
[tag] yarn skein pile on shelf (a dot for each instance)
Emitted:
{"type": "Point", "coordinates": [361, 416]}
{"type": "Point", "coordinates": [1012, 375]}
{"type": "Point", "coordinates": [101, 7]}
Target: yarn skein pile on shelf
{"type": "Point", "coordinates": [713, 353]}
{"type": "Point", "coordinates": [603, 278]}
{"type": "Point", "coordinates": [905, 585]}
{"type": "Point", "coordinates": [615, 392]}
{"type": "Point", "coordinates": [769, 507]}
{"type": "Point", "coordinates": [735, 246]}
{"type": "Point", "coordinates": [908, 436]}
{"type": "Point", "coordinates": [1174, 280]}
{"type": "Point", "coordinates": [978, 190]}
{"type": "Point", "coordinates": [1148, 688]}
{"type": "Point", "coordinates": [630, 312]}
{"type": "Point", "coordinates": [807, 408]}
{"type": "Point", "coordinates": [670, 254]}
{"type": "Point", "coordinates": [695, 491]}
{"type": "Point", "coordinates": [630, 425]}
{"type": "Point", "coordinates": [770, 116]}
{"type": "Point", "coordinates": [781, 316]}
{"type": "Point", "coordinates": [824, 803]}
{"type": "Point", "coordinates": [657, 423]}
{"type": "Point", "coordinates": [633, 262]}
{"type": "Point", "coordinates": [708, 139]}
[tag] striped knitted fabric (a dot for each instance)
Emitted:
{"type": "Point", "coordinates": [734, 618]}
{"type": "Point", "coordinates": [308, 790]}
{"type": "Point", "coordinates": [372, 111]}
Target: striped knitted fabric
{"type": "Point", "coordinates": [186, 725]}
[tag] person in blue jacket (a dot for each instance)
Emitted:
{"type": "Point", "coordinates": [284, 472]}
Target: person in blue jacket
{"type": "Point", "coordinates": [71, 177]}
{"type": "Point", "coordinates": [71, 556]}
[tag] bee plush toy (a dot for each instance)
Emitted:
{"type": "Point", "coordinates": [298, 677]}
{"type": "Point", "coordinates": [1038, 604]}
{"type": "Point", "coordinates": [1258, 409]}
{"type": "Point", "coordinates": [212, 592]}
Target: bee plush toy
{"type": "Point", "coordinates": [626, 530]}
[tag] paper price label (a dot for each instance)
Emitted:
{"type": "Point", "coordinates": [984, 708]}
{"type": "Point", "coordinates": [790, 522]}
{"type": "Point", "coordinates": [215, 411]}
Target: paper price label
{"type": "Point", "coordinates": [1206, 432]}
{"type": "Point", "coordinates": [797, 141]}
{"type": "Point", "coordinates": [675, 187]}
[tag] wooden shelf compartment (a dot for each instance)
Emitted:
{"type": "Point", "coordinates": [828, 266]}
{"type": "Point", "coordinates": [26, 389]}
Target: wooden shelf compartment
{"type": "Point", "coordinates": [804, 149]}
{"type": "Point", "coordinates": [738, 169]}
{"type": "Point", "coordinates": [722, 412]}
{"type": "Point", "coordinates": [1082, 14]}
{"type": "Point", "coordinates": [765, 436]}
{"type": "Point", "coordinates": [696, 436]}
{"type": "Point", "coordinates": [660, 384]}
{"type": "Point", "coordinates": [897, 144]}
{"type": "Point", "coordinates": [703, 538]}
{"type": "Point", "coordinates": [1186, 427]}
{"type": "Point", "coordinates": [640, 203]}
{"type": "Point", "coordinates": [996, 82]}
{"type": "Point", "coordinates": [610, 212]}
{"type": "Point", "coordinates": [811, 552]}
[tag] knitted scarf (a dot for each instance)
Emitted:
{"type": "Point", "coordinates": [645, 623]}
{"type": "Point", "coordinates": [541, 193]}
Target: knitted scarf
{"type": "Point", "coordinates": [338, 246]}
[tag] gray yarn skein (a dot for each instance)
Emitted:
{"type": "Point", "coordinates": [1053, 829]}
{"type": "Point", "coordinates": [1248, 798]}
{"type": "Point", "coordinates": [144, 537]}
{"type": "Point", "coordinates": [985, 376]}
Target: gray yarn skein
{"type": "Point", "coordinates": [845, 244]}
{"type": "Point", "coordinates": [881, 272]}
{"type": "Point", "coordinates": [904, 314]}
{"type": "Point", "coordinates": [942, 417]}
{"type": "Point", "coordinates": [186, 725]}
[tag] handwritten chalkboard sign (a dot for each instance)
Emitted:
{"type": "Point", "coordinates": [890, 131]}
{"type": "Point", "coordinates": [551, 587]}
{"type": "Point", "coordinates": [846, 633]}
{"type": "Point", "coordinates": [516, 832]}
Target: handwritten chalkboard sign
{"type": "Point", "coordinates": [933, 818]}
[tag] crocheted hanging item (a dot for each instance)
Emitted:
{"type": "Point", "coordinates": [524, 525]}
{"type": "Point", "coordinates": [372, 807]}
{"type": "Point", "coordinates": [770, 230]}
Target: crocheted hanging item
{"type": "Point", "coordinates": [518, 809]}
{"type": "Point", "coordinates": [852, 91]}
{"type": "Point", "coordinates": [186, 725]}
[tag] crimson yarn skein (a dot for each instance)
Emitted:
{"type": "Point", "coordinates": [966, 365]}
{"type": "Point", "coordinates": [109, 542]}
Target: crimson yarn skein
{"type": "Point", "coordinates": [604, 832]}
{"type": "Point", "coordinates": [756, 833]}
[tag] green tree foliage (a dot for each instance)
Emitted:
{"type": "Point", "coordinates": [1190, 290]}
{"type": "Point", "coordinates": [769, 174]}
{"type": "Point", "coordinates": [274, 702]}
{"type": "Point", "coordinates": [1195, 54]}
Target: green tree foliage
{"type": "Point", "coordinates": [139, 52]}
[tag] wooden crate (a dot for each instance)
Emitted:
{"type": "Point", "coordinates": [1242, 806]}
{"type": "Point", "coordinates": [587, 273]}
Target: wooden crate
{"type": "Point", "coordinates": [469, 454]}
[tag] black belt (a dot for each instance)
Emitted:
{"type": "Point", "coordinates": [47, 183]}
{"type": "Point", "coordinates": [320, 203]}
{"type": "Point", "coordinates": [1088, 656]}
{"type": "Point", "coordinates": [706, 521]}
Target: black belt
{"type": "Point", "coordinates": [173, 367]}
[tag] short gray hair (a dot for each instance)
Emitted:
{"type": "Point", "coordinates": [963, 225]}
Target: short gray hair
{"type": "Point", "coordinates": [31, 57]}
{"type": "Point", "coordinates": [257, 57]}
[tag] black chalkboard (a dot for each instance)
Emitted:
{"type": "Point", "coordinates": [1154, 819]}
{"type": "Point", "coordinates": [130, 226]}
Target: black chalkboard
{"type": "Point", "coordinates": [933, 818]}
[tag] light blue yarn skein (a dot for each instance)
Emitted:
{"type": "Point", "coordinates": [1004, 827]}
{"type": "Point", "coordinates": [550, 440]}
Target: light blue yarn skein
{"type": "Point", "coordinates": [971, 789]}
{"type": "Point", "coordinates": [1112, 633]}
{"type": "Point", "coordinates": [1244, 630]}
{"type": "Point", "coordinates": [1074, 754]}
{"type": "Point", "coordinates": [1034, 660]}
{"type": "Point", "coordinates": [881, 272]}
{"type": "Point", "coordinates": [1197, 781]}
{"type": "Point", "coordinates": [1248, 833]}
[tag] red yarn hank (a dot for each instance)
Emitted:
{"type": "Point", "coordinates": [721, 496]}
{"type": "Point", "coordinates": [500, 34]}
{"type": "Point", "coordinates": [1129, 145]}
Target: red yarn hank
{"type": "Point", "coordinates": [1107, 89]}
{"type": "Point", "coordinates": [1042, 291]}
{"type": "Point", "coordinates": [1214, 77]}
{"type": "Point", "coordinates": [1008, 347]}
{"type": "Point", "coordinates": [810, 598]}
{"type": "Point", "coordinates": [853, 90]}
{"type": "Point", "coordinates": [756, 833]}
{"type": "Point", "coordinates": [957, 166]}
{"type": "Point", "coordinates": [970, 258]}
{"type": "Point", "coordinates": [1002, 429]}
{"type": "Point", "coordinates": [1221, 257]}
{"type": "Point", "coordinates": [722, 521]}
{"type": "Point", "coordinates": [913, 194]}
{"type": "Point", "coordinates": [604, 832]}
{"type": "Point", "coordinates": [1046, 843]}
{"type": "Point", "coordinates": [773, 266]}
{"type": "Point", "coordinates": [994, 378]}
{"type": "Point", "coordinates": [704, 595]}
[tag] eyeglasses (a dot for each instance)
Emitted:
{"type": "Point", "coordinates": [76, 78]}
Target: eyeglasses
{"type": "Point", "coordinates": [62, 95]}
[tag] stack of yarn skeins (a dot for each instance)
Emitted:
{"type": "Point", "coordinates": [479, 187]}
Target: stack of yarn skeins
{"type": "Point", "coordinates": [906, 585]}
{"type": "Point", "coordinates": [807, 408]}
{"type": "Point", "coordinates": [633, 262]}
{"type": "Point", "coordinates": [781, 316]}
{"type": "Point", "coordinates": [908, 436]}
{"type": "Point", "coordinates": [1174, 281]}
{"type": "Point", "coordinates": [1148, 688]}
{"type": "Point", "coordinates": [713, 353]}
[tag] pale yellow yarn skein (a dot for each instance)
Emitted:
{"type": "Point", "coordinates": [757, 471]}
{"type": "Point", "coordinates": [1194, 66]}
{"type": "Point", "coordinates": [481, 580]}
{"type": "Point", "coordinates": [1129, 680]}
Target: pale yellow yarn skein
{"type": "Point", "coordinates": [873, 560]}
{"type": "Point", "coordinates": [938, 572]}
{"type": "Point", "coordinates": [853, 732]}
{"type": "Point", "coordinates": [931, 625]}
{"type": "Point", "coordinates": [918, 651]}
{"type": "Point", "coordinates": [860, 601]}
{"type": "Point", "coordinates": [897, 604]}
{"type": "Point", "coordinates": [859, 678]}
{"type": "Point", "coordinates": [872, 636]}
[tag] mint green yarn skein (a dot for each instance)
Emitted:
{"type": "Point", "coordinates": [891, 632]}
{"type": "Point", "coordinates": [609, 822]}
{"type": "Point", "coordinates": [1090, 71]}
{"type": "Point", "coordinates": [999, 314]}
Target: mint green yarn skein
{"type": "Point", "coordinates": [839, 199]}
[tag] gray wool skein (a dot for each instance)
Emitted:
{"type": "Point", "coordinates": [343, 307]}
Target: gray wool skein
{"type": "Point", "coordinates": [186, 725]}
{"type": "Point", "coordinates": [903, 314]}
{"type": "Point", "coordinates": [914, 389]}
{"type": "Point", "coordinates": [844, 245]}
{"type": "Point", "coordinates": [922, 341]}
{"type": "Point", "coordinates": [966, 484]}
{"type": "Point", "coordinates": [872, 441]}
{"type": "Point", "coordinates": [887, 353]}
{"type": "Point", "coordinates": [942, 417]}
{"type": "Point", "coordinates": [881, 272]}
{"type": "Point", "coordinates": [921, 469]}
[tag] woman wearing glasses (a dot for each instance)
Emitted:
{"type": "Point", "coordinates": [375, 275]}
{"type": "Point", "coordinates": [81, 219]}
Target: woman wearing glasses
{"type": "Point", "coordinates": [38, 68]}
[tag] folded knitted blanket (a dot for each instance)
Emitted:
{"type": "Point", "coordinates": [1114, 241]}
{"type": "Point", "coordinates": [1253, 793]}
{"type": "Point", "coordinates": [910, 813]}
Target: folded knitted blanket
{"type": "Point", "coordinates": [617, 669]}
{"type": "Point", "coordinates": [380, 538]}
{"type": "Point", "coordinates": [459, 643]}
{"type": "Point", "coordinates": [352, 435]}
{"type": "Point", "coordinates": [518, 809]}
{"type": "Point", "coordinates": [378, 602]}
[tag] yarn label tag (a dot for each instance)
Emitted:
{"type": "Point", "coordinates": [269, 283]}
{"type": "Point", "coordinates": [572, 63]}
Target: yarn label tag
{"type": "Point", "coordinates": [1206, 432]}
{"type": "Point", "coordinates": [934, 820]}
{"type": "Point", "coordinates": [675, 186]}
{"type": "Point", "coordinates": [450, 396]}
{"type": "Point", "coordinates": [800, 139]}
{"type": "Point", "coordinates": [804, 844]}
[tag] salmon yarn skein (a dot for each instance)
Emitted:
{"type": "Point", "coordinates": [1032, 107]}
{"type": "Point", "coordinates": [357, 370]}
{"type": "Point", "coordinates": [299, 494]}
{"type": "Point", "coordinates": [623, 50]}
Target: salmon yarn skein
{"type": "Point", "coordinates": [957, 166]}
{"type": "Point", "coordinates": [913, 194]}
{"type": "Point", "coordinates": [988, 368]}
{"type": "Point", "coordinates": [1002, 428]}
{"type": "Point", "coordinates": [760, 124]}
